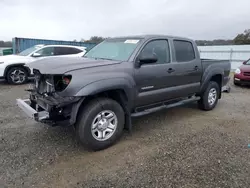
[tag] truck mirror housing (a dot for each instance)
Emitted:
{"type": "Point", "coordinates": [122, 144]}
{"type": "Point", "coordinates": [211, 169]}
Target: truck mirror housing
{"type": "Point", "coordinates": [148, 59]}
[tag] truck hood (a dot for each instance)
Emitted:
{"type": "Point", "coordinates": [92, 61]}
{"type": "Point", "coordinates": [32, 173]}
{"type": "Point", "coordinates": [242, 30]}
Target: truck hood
{"type": "Point", "coordinates": [15, 59]}
{"type": "Point", "coordinates": [61, 65]}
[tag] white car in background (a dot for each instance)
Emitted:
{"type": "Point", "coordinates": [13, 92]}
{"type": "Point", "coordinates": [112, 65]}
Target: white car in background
{"type": "Point", "coordinates": [12, 67]}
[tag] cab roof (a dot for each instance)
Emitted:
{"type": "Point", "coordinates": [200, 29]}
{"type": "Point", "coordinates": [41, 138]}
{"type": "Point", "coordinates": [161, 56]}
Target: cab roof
{"type": "Point", "coordinates": [152, 36]}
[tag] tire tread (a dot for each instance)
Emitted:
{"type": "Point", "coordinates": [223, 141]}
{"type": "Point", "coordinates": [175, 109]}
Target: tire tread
{"type": "Point", "coordinates": [83, 120]}
{"type": "Point", "coordinates": [203, 102]}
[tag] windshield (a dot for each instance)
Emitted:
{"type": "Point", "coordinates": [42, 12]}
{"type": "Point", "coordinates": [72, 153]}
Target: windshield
{"type": "Point", "coordinates": [29, 50]}
{"type": "Point", "coordinates": [248, 62]}
{"type": "Point", "coordinates": [113, 49]}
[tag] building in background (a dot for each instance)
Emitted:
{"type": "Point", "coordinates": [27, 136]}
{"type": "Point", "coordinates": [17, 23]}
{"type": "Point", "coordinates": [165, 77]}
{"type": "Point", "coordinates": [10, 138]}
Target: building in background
{"type": "Point", "coordinates": [235, 53]}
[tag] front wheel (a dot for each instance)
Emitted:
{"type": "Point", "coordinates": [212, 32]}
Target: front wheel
{"type": "Point", "coordinates": [100, 124]}
{"type": "Point", "coordinates": [17, 75]}
{"type": "Point", "coordinates": [210, 96]}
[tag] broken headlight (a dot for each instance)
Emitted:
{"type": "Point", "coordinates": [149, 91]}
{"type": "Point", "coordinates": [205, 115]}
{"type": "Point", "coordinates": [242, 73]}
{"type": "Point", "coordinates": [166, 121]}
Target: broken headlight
{"type": "Point", "coordinates": [61, 82]}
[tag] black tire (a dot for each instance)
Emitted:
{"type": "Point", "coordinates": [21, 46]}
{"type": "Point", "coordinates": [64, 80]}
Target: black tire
{"type": "Point", "coordinates": [23, 73]}
{"type": "Point", "coordinates": [203, 103]}
{"type": "Point", "coordinates": [87, 115]}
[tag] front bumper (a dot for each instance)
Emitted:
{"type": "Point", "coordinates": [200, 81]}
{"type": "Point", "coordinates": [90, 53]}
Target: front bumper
{"type": "Point", "coordinates": [240, 79]}
{"type": "Point", "coordinates": [51, 111]}
{"type": "Point", "coordinates": [31, 112]}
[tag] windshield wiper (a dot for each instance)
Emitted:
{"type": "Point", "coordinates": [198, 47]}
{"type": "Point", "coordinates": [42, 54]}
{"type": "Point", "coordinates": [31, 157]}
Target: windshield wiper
{"type": "Point", "coordinates": [99, 58]}
{"type": "Point", "coordinates": [104, 58]}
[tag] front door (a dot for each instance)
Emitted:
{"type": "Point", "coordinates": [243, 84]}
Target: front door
{"type": "Point", "coordinates": [151, 79]}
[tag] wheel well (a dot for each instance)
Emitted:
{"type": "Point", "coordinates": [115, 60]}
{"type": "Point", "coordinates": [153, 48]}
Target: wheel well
{"type": "Point", "coordinates": [218, 79]}
{"type": "Point", "coordinates": [118, 95]}
{"type": "Point", "coordinates": [16, 65]}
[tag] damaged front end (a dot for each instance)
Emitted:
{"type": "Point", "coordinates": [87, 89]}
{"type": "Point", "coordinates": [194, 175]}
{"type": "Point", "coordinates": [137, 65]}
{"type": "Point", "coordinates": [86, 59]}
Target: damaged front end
{"type": "Point", "coordinates": [46, 105]}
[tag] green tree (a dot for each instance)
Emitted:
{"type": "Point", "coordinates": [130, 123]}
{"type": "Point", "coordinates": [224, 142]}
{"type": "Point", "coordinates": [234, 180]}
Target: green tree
{"type": "Point", "coordinates": [243, 38]}
{"type": "Point", "coordinates": [5, 44]}
{"type": "Point", "coordinates": [95, 39]}
{"type": "Point", "coordinates": [214, 42]}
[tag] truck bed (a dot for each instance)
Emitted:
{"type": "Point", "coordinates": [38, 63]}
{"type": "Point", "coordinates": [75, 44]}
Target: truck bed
{"type": "Point", "coordinates": [224, 64]}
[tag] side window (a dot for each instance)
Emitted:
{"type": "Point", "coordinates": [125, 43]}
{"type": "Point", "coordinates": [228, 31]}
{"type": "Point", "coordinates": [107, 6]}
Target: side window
{"type": "Point", "coordinates": [66, 51]}
{"type": "Point", "coordinates": [74, 51]}
{"type": "Point", "coordinates": [184, 51]}
{"type": "Point", "coordinates": [60, 51]}
{"type": "Point", "coordinates": [159, 48]}
{"type": "Point", "coordinates": [47, 51]}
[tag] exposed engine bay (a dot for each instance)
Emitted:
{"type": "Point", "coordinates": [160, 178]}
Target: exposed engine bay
{"type": "Point", "coordinates": [48, 84]}
{"type": "Point", "coordinates": [46, 100]}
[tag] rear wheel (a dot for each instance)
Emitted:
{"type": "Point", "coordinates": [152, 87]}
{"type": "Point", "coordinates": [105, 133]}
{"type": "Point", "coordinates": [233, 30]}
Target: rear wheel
{"type": "Point", "coordinates": [17, 75]}
{"type": "Point", "coordinates": [100, 124]}
{"type": "Point", "coordinates": [210, 96]}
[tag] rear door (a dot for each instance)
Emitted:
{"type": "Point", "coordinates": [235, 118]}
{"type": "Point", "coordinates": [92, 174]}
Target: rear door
{"type": "Point", "coordinates": [186, 68]}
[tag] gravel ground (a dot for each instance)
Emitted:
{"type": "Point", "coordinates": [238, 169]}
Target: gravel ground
{"type": "Point", "coordinates": [180, 147]}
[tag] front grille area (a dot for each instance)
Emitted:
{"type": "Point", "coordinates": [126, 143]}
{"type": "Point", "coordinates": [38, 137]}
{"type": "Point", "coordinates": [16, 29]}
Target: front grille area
{"type": "Point", "coordinates": [246, 73]}
{"type": "Point", "coordinates": [43, 83]}
{"type": "Point", "coordinates": [44, 86]}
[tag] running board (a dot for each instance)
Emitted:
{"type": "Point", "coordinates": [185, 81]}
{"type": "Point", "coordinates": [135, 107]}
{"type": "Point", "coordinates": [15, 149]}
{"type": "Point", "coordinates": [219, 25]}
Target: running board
{"type": "Point", "coordinates": [164, 106]}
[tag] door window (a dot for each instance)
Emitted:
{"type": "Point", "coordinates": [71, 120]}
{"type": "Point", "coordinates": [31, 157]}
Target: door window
{"type": "Point", "coordinates": [47, 51]}
{"type": "Point", "coordinates": [184, 51]}
{"type": "Point", "coordinates": [159, 48]}
{"type": "Point", "coordinates": [66, 51]}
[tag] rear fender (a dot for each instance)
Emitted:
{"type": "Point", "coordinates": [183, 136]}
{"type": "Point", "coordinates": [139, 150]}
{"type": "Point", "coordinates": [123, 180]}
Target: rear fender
{"type": "Point", "coordinates": [208, 74]}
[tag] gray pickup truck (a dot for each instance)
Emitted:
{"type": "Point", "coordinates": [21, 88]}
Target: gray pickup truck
{"type": "Point", "coordinates": [121, 78]}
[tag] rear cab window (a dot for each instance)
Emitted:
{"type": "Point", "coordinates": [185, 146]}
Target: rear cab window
{"type": "Point", "coordinates": [184, 51]}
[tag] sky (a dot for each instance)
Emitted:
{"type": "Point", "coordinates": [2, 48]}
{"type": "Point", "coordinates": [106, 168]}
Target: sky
{"type": "Point", "coordinates": [81, 19]}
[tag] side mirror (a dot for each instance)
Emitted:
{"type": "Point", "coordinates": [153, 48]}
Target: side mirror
{"type": "Point", "coordinates": [244, 62]}
{"type": "Point", "coordinates": [36, 55]}
{"type": "Point", "coordinates": [148, 59]}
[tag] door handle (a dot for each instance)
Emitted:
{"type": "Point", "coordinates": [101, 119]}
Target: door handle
{"type": "Point", "coordinates": [196, 68]}
{"type": "Point", "coordinates": [170, 70]}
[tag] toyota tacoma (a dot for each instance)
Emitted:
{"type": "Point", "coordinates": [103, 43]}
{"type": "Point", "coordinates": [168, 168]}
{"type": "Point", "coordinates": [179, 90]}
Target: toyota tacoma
{"type": "Point", "coordinates": [121, 78]}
